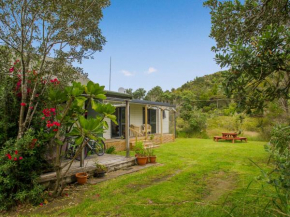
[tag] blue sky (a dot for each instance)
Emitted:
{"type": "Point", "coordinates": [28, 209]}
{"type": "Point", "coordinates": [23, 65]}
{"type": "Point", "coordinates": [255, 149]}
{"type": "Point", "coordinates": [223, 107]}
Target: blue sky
{"type": "Point", "coordinates": [153, 42]}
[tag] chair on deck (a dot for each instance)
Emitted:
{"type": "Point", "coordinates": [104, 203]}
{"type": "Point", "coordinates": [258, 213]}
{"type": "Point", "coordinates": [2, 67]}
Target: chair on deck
{"type": "Point", "coordinates": [134, 130]}
{"type": "Point", "coordinates": [143, 129]}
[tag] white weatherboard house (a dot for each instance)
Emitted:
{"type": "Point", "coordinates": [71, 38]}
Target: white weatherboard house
{"type": "Point", "coordinates": [138, 118]}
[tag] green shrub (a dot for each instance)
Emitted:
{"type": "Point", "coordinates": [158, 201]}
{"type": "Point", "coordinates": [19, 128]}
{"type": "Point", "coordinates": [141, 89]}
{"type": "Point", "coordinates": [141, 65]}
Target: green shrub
{"type": "Point", "coordinates": [139, 149]}
{"type": "Point", "coordinates": [21, 163]}
{"type": "Point", "coordinates": [194, 121]}
{"type": "Point", "coordinates": [279, 177]}
{"type": "Point", "coordinates": [111, 150]}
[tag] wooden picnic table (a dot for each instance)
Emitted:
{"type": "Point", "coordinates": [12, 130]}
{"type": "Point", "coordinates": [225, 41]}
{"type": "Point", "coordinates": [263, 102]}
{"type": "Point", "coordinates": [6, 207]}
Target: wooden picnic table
{"type": "Point", "coordinates": [229, 136]}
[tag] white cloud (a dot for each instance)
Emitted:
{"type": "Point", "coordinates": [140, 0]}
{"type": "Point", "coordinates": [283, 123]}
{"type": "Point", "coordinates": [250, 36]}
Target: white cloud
{"type": "Point", "coordinates": [151, 70]}
{"type": "Point", "coordinates": [127, 73]}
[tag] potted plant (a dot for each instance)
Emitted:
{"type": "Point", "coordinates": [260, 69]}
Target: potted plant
{"type": "Point", "coordinates": [138, 148]}
{"type": "Point", "coordinates": [100, 171]}
{"type": "Point", "coordinates": [83, 176]}
{"type": "Point", "coordinates": [140, 153]}
{"type": "Point", "coordinates": [147, 152]}
{"type": "Point", "coordinates": [152, 156]}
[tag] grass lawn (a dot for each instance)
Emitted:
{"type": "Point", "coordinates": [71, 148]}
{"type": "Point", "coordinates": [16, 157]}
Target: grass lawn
{"type": "Point", "coordinates": [198, 177]}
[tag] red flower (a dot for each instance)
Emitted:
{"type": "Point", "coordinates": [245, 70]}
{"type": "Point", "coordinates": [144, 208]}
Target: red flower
{"type": "Point", "coordinates": [18, 84]}
{"type": "Point", "coordinates": [15, 159]}
{"type": "Point", "coordinates": [43, 118]}
{"type": "Point", "coordinates": [49, 125]}
{"type": "Point", "coordinates": [16, 152]}
{"type": "Point", "coordinates": [23, 104]}
{"type": "Point", "coordinates": [55, 130]}
{"type": "Point", "coordinates": [46, 112]}
{"type": "Point", "coordinates": [20, 158]}
{"type": "Point", "coordinates": [52, 109]}
{"type": "Point", "coordinates": [54, 81]}
{"type": "Point", "coordinates": [56, 123]}
{"type": "Point", "coordinates": [11, 69]}
{"type": "Point", "coordinates": [31, 107]}
{"type": "Point", "coordinates": [36, 95]}
{"type": "Point", "coordinates": [9, 156]}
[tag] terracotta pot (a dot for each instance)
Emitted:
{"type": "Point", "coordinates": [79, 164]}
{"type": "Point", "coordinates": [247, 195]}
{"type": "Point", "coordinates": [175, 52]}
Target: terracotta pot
{"type": "Point", "coordinates": [152, 159]}
{"type": "Point", "coordinates": [82, 178]}
{"type": "Point", "coordinates": [141, 160]}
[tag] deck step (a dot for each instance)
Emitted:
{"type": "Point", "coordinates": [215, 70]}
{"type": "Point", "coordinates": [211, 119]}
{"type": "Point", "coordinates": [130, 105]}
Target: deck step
{"type": "Point", "coordinates": [112, 162]}
{"type": "Point", "coordinates": [151, 146]}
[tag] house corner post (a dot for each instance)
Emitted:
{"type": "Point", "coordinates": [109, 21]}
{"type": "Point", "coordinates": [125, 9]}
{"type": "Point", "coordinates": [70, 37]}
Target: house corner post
{"type": "Point", "coordinates": [82, 156]}
{"type": "Point", "coordinates": [174, 112]}
{"type": "Point", "coordinates": [146, 120]}
{"type": "Point", "coordinates": [161, 125]}
{"type": "Point", "coordinates": [127, 136]}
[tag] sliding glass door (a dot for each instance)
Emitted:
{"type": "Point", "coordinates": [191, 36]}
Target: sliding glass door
{"type": "Point", "coordinates": [119, 130]}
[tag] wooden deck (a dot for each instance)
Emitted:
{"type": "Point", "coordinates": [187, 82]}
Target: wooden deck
{"type": "Point", "coordinates": [112, 162]}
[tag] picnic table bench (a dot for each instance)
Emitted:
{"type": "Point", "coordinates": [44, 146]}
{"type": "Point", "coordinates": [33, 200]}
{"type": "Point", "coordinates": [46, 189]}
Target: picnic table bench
{"type": "Point", "coordinates": [229, 136]}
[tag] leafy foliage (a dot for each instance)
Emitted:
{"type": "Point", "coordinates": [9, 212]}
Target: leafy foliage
{"type": "Point", "coordinates": [111, 150]}
{"type": "Point", "coordinates": [34, 30]}
{"type": "Point", "coordinates": [21, 163]}
{"type": "Point", "coordinates": [69, 107]}
{"type": "Point", "coordinates": [279, 177]}
{"type": "Point", "coordinates": [155, 94]}
{"type": "Point", "coordinates": [259, 70]}
{"type": "Point", "coordinates": [253, 41]}
{"type": "Point", "coordinates": [139, 93]}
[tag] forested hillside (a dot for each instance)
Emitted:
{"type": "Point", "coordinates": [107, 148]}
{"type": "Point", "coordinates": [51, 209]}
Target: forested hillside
{"type": "Point", "coordinates": [204, 110]}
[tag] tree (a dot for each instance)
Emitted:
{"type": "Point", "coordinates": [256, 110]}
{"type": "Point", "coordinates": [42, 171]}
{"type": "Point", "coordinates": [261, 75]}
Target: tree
{"type": "Point", "coordinates": [139, 93]}
{"type": "Point", "coordinates": [34, 30]}
{"type": "Point", "coordinates": [65, 119]}
{"type": "Point", "coordinates": [129, 91]}
{"type": "Point", "coordinates": [253, 41]}
{"type": "Point", "coordinates": [155, 94]}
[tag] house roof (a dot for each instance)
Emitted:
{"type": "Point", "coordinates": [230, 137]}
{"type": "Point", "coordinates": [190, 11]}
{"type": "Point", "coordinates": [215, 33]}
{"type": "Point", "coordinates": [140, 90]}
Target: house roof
{"type": "Point", "coordinates": [138, 101]}
{"type": "Point", "coordinates": [122, 97]}
{"type": "Point", "coordinates": [113, 94]}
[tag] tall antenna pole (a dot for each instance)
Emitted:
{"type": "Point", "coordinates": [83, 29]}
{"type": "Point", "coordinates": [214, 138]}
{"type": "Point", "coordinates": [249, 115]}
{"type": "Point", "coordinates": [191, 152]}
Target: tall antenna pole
{"type": "Point", "coordinates": [110, 73]}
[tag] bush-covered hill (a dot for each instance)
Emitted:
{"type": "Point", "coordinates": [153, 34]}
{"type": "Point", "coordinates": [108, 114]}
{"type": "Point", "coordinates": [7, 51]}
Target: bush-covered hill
{"type": "Point", "coordinates": [203, 109]}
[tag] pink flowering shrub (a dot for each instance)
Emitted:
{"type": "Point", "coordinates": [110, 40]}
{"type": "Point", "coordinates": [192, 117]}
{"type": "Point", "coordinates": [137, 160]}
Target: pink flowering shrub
{"type": "Point", "coordinates": [21, 162]}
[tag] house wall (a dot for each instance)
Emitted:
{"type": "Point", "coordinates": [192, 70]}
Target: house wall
{"type": "Point", "coordinates": [136, 115]}
{"type": "Point", "coordinates": [136, 118]}
{"type": "Point", "coordinates": [107, 134]}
